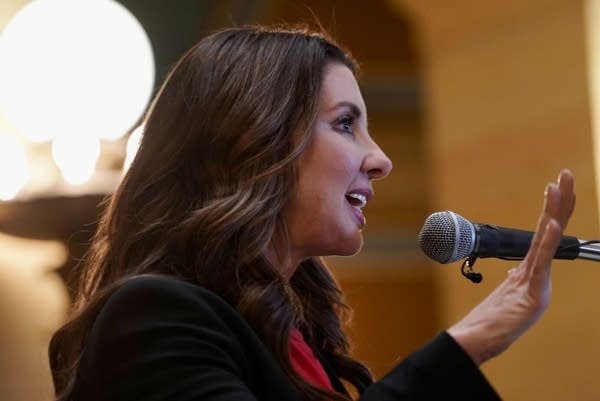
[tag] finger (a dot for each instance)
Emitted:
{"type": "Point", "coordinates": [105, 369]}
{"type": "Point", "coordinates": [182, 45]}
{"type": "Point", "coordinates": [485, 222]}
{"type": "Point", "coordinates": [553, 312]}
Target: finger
{"type": "Point", "coordinates": [549, 210]}
{"type": "Point", "coordinates": [542, 263]}
{"type": "Point", "coordinates": [566, 185]}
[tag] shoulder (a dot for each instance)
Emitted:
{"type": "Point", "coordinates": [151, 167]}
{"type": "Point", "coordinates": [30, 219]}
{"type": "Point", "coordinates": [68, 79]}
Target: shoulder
{"type": "Point", "coordinates": [164, 331]}
{"type": "Point", "coordinates": [161, 301]}
{"type": "Point", "coordinates": [164, 339]}
{"type": "Point", "coordinates": [155, 289]}
{"type": "Point", "coordinates": [154, 295]}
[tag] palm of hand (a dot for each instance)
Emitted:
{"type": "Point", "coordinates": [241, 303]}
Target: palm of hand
{"type": "Point", "coordinates": [518, 302]}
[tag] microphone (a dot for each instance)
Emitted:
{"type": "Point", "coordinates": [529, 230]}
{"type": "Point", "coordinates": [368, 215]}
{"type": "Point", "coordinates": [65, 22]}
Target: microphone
{"type": "Point", "coordinates": [447, 237]}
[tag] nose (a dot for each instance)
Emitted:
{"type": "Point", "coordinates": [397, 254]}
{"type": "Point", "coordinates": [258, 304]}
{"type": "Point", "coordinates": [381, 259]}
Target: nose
{"type": "Point", "coordinates": [376, 163]}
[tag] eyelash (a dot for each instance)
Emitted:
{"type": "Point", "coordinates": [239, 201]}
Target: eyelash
{"type": "Point", "coordinates": [343, 121]}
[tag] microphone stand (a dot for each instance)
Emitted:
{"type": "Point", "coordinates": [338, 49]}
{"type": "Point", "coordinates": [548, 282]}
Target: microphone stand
{"type": "Point", "coordinates": [588, 250]}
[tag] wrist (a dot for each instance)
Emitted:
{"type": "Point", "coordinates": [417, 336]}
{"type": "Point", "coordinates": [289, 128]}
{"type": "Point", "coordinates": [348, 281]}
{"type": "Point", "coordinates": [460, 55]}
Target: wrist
{"type": "Point", "coordinates": [475, 342]}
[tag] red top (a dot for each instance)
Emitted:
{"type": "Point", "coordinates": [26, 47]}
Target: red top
{"type": "Point", "coordinates": [306, 364]}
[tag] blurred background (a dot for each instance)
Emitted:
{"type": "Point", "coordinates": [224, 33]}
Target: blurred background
{"type": "Point", "coordinates": [478, 104]}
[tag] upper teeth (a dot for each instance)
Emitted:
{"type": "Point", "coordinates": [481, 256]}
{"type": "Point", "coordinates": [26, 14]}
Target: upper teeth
{"type": "Point", "coordinates": [362, 199]}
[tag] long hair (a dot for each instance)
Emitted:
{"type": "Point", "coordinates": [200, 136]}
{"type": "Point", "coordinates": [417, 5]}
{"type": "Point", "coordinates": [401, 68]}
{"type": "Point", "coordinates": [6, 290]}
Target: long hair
{"type": "Point", "coordinates": [204, 196]}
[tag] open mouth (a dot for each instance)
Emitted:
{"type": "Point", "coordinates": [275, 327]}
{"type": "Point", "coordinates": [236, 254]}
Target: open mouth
{"type": "Point", "coordinates": [357, 200]}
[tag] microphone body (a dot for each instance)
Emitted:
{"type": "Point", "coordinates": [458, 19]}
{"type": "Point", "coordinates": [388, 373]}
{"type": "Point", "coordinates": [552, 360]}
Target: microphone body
{"type": "Point", "coordinates": [511, 243]}
{"type": "Point", "coordinates": [447, 237]}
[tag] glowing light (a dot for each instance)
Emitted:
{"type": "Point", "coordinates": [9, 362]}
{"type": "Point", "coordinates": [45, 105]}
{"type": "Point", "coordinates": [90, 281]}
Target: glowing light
{"type": "Point", "coordinates": [133, 144]}
{"type": "Point", "coordinates": [74, 67]}
{"type": "Point", "coordinates": [13, 165]}
{"type": "Point", "coordinates": [76, 157]}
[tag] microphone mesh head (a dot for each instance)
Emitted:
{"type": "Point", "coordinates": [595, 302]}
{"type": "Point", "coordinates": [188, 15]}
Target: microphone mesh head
{"type": "Point", "coordinates": [447, 237]}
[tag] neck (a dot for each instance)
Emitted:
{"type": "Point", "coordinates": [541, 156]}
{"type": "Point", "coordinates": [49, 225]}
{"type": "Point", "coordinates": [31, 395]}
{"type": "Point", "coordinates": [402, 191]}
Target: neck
{"type": "Point", "coordinates": [284, 262]}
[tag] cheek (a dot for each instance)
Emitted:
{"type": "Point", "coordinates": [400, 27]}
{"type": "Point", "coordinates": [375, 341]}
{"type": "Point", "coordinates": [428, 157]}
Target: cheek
{"type": "Point", "coordinates": [327, 171]}
{"type": "Point", "coordinates": [324, 195]}
{"type": "Point", "coordinates": [338, 160]}
{"type": "Point", "coordinates": [327, 181]}
{"type": "Point", "coordinates": [341, 170]}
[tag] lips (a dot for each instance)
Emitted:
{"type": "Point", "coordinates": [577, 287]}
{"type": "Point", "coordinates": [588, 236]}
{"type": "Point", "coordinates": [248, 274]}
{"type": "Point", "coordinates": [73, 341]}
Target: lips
{"type": "Point", "coordinates": [357, 199]}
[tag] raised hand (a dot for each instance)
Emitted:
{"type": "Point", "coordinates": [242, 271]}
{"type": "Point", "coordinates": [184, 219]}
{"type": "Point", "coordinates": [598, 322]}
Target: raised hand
{"type": "Point", "coordinates": [520, 300]}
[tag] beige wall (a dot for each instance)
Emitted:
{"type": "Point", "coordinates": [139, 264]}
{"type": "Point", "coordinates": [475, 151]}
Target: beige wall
{"type": "Point", "coordinates": [33, 303]}
{"type": "Point", "coordinates": [506, 108]}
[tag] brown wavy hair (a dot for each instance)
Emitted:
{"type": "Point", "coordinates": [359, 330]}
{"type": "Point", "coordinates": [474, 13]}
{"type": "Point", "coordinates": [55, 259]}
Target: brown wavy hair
{"type": "Point", "coordinates": [204, 196]}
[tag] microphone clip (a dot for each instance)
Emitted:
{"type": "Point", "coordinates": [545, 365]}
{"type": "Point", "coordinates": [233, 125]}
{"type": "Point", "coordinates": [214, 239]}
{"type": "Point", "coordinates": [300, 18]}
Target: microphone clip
{"type": "Point", "coordinates": [467, 270]}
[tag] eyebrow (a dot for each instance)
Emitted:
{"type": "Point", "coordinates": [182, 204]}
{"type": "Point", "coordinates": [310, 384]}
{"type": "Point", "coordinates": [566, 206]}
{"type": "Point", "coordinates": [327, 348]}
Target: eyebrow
{"type": "Point", "coordinates": [353, 108]}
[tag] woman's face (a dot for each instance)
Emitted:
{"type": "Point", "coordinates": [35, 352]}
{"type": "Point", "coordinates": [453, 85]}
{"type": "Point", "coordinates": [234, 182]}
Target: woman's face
{"type": "Point", "coordinates": [336, 171]}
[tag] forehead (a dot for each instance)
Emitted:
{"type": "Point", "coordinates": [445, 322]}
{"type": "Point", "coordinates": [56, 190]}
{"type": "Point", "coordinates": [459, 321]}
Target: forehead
{"type": "Point", "coordinates": [339, 85]}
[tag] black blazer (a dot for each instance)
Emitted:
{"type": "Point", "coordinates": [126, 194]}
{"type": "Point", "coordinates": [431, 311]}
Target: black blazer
{"type": "Point", "coordinates": [160, 338]}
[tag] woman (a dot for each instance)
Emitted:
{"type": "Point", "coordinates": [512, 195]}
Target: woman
{"type": "Point", "coordinates": [204, 280]}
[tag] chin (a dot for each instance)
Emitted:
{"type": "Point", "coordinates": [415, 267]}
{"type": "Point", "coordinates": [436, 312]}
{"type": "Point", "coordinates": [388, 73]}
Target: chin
{"type": "Point", "coordinates": [351, 247]}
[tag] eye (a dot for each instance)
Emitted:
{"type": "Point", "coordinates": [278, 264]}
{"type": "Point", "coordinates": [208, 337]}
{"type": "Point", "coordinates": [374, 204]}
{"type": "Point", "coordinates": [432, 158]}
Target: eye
{"type": "Point", "coordinates": [344, 124]}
